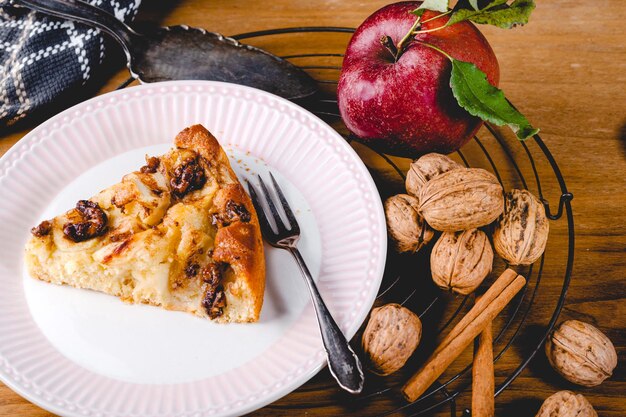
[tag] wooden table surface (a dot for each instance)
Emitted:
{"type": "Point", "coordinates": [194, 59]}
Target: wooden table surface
{"type": "Point", "coordinates": [567, 70]}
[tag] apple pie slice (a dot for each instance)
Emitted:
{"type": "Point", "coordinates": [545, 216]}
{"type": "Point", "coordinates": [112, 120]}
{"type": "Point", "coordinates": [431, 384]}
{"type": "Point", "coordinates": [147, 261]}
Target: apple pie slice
{"type": "Point", "coordinates": [180, 233]}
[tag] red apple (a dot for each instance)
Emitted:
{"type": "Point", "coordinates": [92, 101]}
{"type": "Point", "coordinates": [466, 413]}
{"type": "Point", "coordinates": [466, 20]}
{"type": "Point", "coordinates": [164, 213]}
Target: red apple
{"type": "Point", "coordinates": [405, 107]}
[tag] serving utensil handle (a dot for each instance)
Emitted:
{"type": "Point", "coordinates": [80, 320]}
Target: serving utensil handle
{"type": "Point", "coordinates": [343, 363]}
{"type": "Point", "coordinates": [82, 12]}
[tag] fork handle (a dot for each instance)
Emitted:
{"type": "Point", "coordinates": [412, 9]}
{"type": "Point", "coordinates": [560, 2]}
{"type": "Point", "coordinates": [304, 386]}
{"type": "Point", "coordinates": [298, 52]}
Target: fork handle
{"type": "Point", "coordinates": [343, 363]}
{"type": "Point", "coordinates": [85, 13]}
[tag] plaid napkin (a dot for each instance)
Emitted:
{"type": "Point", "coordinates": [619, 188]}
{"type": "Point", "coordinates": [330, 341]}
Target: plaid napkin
{"type": "Point", "coordinates": [42, 57]}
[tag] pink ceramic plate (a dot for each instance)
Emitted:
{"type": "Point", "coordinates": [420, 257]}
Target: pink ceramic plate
{"type": "Point", "coordinates": [80, 353]}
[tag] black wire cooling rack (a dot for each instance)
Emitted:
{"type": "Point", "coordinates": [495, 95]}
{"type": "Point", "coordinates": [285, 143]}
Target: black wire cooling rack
{"type": "Point", "coordinates": [520, 331]}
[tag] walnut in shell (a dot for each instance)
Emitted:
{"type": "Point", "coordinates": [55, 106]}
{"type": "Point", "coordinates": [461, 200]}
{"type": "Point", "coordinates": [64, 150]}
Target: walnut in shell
{"type": "Point", "coordinates": [406, 227]}
{"type": "Point", "coordinates": [390, 338]}
{"type": "Point", "coordinates": [461, 199]}
{"type": "Point", "coordinates": [521, 233]}
{"type": "Point", "coordinates": [581, 353]}
{"type": "Point", "coordinates": [566, 404]}
{"type": "Point", "coordinates": [426, 168]}
{"type": "Point", "coordinates": [460, 261]}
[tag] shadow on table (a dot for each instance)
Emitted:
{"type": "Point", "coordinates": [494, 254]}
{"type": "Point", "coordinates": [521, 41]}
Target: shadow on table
{"type": "Point", "coordinates": [521, 408]}
{"type": "Point", "coordinates": [539, 365]}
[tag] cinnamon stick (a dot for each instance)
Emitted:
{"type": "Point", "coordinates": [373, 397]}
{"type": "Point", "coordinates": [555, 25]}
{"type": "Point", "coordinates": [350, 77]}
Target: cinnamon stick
{"type": "Point", "coordinates": [483, 384]}
{"type": "Point", "coordinates": [504, 280]}
{"type": "Point", "coordinates": [484, 311]}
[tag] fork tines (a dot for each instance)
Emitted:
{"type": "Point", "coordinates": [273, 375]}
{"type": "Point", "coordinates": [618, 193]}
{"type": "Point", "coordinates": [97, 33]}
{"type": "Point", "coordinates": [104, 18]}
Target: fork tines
{"type": "Point", "coordinates": [268, 200]}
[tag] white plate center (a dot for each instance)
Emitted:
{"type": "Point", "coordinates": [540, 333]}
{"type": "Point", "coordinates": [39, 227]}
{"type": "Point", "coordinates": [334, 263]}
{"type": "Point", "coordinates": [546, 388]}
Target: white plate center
{"type": "Point", "coordinates": [143, 344]}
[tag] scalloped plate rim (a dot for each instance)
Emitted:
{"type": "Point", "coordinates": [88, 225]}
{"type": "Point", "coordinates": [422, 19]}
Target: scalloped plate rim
{"type": "Point", "coordinates": [37, 136]}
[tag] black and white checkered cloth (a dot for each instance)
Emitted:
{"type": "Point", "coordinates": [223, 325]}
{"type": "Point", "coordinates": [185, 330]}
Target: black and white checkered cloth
{"type": "Point", "coordinates": [43, 57]}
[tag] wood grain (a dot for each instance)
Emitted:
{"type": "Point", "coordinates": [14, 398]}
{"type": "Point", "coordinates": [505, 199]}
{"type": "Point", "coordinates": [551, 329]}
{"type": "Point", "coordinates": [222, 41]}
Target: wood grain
{"type": "Point", "coordinates": [566, 71]}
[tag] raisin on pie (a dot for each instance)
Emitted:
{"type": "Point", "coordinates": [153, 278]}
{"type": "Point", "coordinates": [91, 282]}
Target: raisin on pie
{"type": "Point", "coordinates": [180, 233]}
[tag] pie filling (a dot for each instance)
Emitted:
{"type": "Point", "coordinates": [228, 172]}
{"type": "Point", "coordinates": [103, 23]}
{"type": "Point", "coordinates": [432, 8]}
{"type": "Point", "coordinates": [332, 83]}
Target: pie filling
{"type": "Point", "coordinates": [148, 239]}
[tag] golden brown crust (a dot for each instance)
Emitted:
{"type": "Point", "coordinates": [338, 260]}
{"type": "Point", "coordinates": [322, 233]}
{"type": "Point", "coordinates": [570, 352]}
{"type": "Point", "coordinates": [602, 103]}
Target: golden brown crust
{"type": "Point", "coordinates": [200, 140]}
{"type": "Point", "coordinates": [239, 243]}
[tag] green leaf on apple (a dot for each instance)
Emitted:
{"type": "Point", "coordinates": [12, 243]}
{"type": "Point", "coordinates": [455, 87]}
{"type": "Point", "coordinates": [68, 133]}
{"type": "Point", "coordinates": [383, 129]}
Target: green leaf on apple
{"type": "Point", "coordinates": [434, 5]}
{"type": "Point", "coordinates": [474, 93]}
{"type": "Point", "coordinates": [518, 13]}
{"type": "Point", "coordinates": [471, 7]}
{"type": "Point", "coordinates": [495, 12]}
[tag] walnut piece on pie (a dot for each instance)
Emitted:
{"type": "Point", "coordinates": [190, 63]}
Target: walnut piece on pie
{"type": "Point", "coordinates": [179, 233]}
{"type": "Point", "coordinates": [86, 221]}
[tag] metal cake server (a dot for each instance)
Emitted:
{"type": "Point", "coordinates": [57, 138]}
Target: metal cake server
{"type": "Point", "coordinates": [184, 53]}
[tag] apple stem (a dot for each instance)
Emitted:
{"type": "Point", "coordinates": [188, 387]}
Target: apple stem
{"type": "Point", "coordinates": [387, 42]}
{"type": "Point", "coordinates": [399, 48]}
{"type": "Point", "coordinates": [435, 48]}
{"type": "Point", "coordinates": [429, 30]}
{"type": "Point", "coordinates": [410, 33]}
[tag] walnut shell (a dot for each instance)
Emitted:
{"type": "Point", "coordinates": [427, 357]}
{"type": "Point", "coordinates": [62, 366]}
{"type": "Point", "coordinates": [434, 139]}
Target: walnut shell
{"type": "Point", "coordinates": [390, 338]}
{"type": "Point", "coordinates": [566, 404]}
{"type": "Point", "coordinates": [406, 227]}
{"type": "Point", "coordinates": [521, 233]}
{"type": "Point", "coordinates": [460, 261]}
{"type": "Point", "coordinates": [461, 199]}
{"type": "Point", "coordinates": [581, 353]}
{"type": "Point", "coordinates": [426, 168]}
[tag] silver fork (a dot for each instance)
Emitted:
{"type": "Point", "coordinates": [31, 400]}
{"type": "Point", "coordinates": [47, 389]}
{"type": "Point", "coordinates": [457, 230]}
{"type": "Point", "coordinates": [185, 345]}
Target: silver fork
{"type": "Point", "coordinates": [343, 363]}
